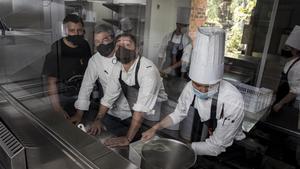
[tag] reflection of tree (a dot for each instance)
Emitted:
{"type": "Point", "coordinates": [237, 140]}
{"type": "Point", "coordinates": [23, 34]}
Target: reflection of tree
{"type": "Point", "coordinates": [231, 15]}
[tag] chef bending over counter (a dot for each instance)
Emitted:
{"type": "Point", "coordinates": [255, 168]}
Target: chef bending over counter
{"type": "Point", "coordinates": [221, 124]}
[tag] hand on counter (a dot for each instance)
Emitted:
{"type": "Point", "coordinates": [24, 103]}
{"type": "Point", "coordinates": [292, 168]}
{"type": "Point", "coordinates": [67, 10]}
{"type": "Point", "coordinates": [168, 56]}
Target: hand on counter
{"type": "Point", "coordinates": [77, 117]}
{"type": "Point", "coordinates": [116, 142]}
{"type": "Point", "coordinates": [147, 135]}
{"type": "Point", "coordinates": [96, 128]}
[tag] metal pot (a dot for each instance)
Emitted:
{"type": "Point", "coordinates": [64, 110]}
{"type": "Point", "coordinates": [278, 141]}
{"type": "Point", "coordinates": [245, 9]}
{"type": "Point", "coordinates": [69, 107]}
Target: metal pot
{"type": "Point", "coordinates": [167, 154]}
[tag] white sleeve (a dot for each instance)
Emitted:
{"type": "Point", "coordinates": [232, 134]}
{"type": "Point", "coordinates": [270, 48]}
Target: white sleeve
{"type": "Point", "coordinates": [294, 80]}
{"type": "Point", "coordinates": [150, 85]}
{"type": "Point", "coordinates": [87, 85]}
{"type": "Point", "coordinates": [227, 128]}
{"type": "Point", "coordinates": [162, 51]}
{"type": "Point", "coordinates": [163, 46]}
{"type": "Point", "coordinates": [113, 91]}
{"type": "Point", "coordinates": [183, 105]}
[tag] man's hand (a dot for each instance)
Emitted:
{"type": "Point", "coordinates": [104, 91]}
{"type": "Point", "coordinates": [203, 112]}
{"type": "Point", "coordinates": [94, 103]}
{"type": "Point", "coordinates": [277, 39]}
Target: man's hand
{"type": "Point", "coordinates": [277, 107]}
{"type": "Point", "coordinates": [147, 135]}
{"type": "Point", "coordinates": [168, 70]}
{"type": "Point", "coordinates": [95, 128]}
{"type": "Point", "coordinates": [77, 117]}
{"type": "Point", "coordinates": [116, 142]}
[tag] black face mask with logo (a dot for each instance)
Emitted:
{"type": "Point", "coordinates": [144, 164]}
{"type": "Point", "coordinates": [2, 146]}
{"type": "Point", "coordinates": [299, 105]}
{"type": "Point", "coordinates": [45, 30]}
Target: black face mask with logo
{"type": "Point", "coordinates": [75, 39]}
{"type": "Point", "coordinates": [105, 50]}
{"type": "Point", "coordinates": [125, 55]}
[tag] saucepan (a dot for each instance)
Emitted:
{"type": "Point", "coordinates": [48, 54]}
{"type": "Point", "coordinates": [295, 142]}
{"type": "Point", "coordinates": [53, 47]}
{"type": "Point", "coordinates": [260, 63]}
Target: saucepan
{"type": "Point", "coordinates": [167, 154]}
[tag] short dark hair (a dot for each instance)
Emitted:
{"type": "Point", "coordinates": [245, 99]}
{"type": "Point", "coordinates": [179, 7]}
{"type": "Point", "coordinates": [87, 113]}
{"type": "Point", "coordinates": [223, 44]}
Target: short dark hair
{"type": "Point", "coordinates": [73, 18]}
{"type": "Point", "coordinates": [105, 28]}
{"type": "Point", "coordinates": [131, 36]}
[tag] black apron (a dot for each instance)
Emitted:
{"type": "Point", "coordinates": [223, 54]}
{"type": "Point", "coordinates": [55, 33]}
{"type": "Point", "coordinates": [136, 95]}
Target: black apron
{"type": "Point", "coordinates": [202, 130]}
{"type": "Point", "coordinates": [131, 92]}
{"type": "Point", "coordinates": [284, 87]}
{"type": "Point", "coordinates": [169, 54]}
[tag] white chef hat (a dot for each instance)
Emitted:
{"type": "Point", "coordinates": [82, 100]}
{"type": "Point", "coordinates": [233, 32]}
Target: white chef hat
{"type": "Point", "coordinates": [294, 38]}
{"type": "Point", "coordinates": [183, 15]}
{"type": "Point", "coordinates": [207, 64]}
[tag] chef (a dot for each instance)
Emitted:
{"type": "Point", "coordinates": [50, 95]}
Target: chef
{"type": "Point", "coordinates": [289, 88]}
{"type": "Point", "coordinates": [139, 80]}
{"type": "Point", "coordinates": [218, 103]}
{"type": "Point", "coordinates": [175, 51]}
{"type": "Point", "coordinates": [99, 69]}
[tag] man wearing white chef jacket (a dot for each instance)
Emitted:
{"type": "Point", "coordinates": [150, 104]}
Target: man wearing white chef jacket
{"type": "Point", "coordinates": [221, 124]}
{"type": "Point", "coordinates": [139, 80]}
{"type": "Point", "coordinates": [176, 47]}
{"type": "Point", "coordinates": [99, 69]}
{"type": "Point", "coordinates": [288, 91]}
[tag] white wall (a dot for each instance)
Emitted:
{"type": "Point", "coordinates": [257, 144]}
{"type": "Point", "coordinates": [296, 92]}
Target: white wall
{"type": "Point", "coordinates": [162, 22]}
{"type": "Point", "coordinates": [101, 12]}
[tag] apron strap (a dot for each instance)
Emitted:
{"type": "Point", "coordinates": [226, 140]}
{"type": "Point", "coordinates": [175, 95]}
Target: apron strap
{"type": "Point", "coordinates": [136, 85]}
{"type": "Point", "coordinates": [136, 73]}
{"type": "Point", "coordinates": [181, 39]}
{"type": "Point", "coordinates": [202, 130]}
{"type": "Point", "coordinates": [292, 65]}
{"type": "Point", "coordinates": [172, 36]}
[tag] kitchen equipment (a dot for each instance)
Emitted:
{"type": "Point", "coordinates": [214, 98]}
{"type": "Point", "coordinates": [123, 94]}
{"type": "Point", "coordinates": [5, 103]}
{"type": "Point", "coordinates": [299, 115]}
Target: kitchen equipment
{"type": "Point", "coordinates": [167, 154]}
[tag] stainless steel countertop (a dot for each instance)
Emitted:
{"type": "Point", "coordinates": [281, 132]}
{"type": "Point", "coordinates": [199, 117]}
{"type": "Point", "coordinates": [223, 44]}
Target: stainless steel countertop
{"type": "Point", "coordinates": [77, 144]}
{"type": "Point", "coordinates": [31, 96]}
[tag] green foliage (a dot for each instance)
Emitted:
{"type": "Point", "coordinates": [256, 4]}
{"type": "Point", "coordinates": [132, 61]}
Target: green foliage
{"type": "Point", "coordinates": [231, 16]}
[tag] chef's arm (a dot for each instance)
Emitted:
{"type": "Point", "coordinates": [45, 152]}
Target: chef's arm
{"type": "Point", "coordinates": [176, 65]}
{"type": "Point", "coordinates": [136, 122]}
{"type": "Point", "coordinates": [288, 98]}
{"type": "Point", "coordinates": [166, 122]}
{"type": "Point", "coordinates": [101, 113]}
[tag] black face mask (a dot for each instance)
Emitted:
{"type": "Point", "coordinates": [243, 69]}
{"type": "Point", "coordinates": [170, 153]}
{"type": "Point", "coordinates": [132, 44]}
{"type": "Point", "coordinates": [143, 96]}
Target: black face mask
{"type": "Point", "coordinates": [125, 55]}
{"type": "Point", "coordinates": [106, 50]}
{"type": "Point", "coordinates": [75, 39]}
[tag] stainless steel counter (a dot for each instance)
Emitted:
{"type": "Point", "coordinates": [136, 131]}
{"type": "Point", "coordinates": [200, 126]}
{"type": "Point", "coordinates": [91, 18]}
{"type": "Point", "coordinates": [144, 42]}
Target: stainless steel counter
{"type": "Point", "coordinates": [57, 136]}
{"type": "Point", "coordinates": [74, 146]}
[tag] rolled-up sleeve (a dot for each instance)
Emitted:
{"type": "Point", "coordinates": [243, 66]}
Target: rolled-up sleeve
{"type": "Point", "coordinates": [227, 128]}
{"type": "Point", "coordinates": [150, 85]}
{"type": "Point", "coordinates": [113, 89]}
{"type": "Point", "coordinates": [89, 79]}
{"type": "Point", "coordinates": [183, 106]}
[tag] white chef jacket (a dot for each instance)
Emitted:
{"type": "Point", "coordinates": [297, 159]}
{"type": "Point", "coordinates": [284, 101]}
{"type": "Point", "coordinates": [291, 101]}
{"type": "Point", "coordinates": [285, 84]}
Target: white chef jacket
{"type": "Point", "coordinates": [100, 67]}
{"type": "Point", "coordinates": [151, 86]}
{"type": "Point", "coordinates": [187, 49]}
{"type": "Point", "coordinates": [293, 77]}
{"type": "Point", "coordinates": [227, 129]}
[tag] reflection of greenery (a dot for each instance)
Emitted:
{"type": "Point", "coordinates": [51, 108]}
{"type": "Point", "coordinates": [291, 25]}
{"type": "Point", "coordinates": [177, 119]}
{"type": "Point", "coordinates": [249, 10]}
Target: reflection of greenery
{"type": "Point", "coordinates": [231, 15]}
